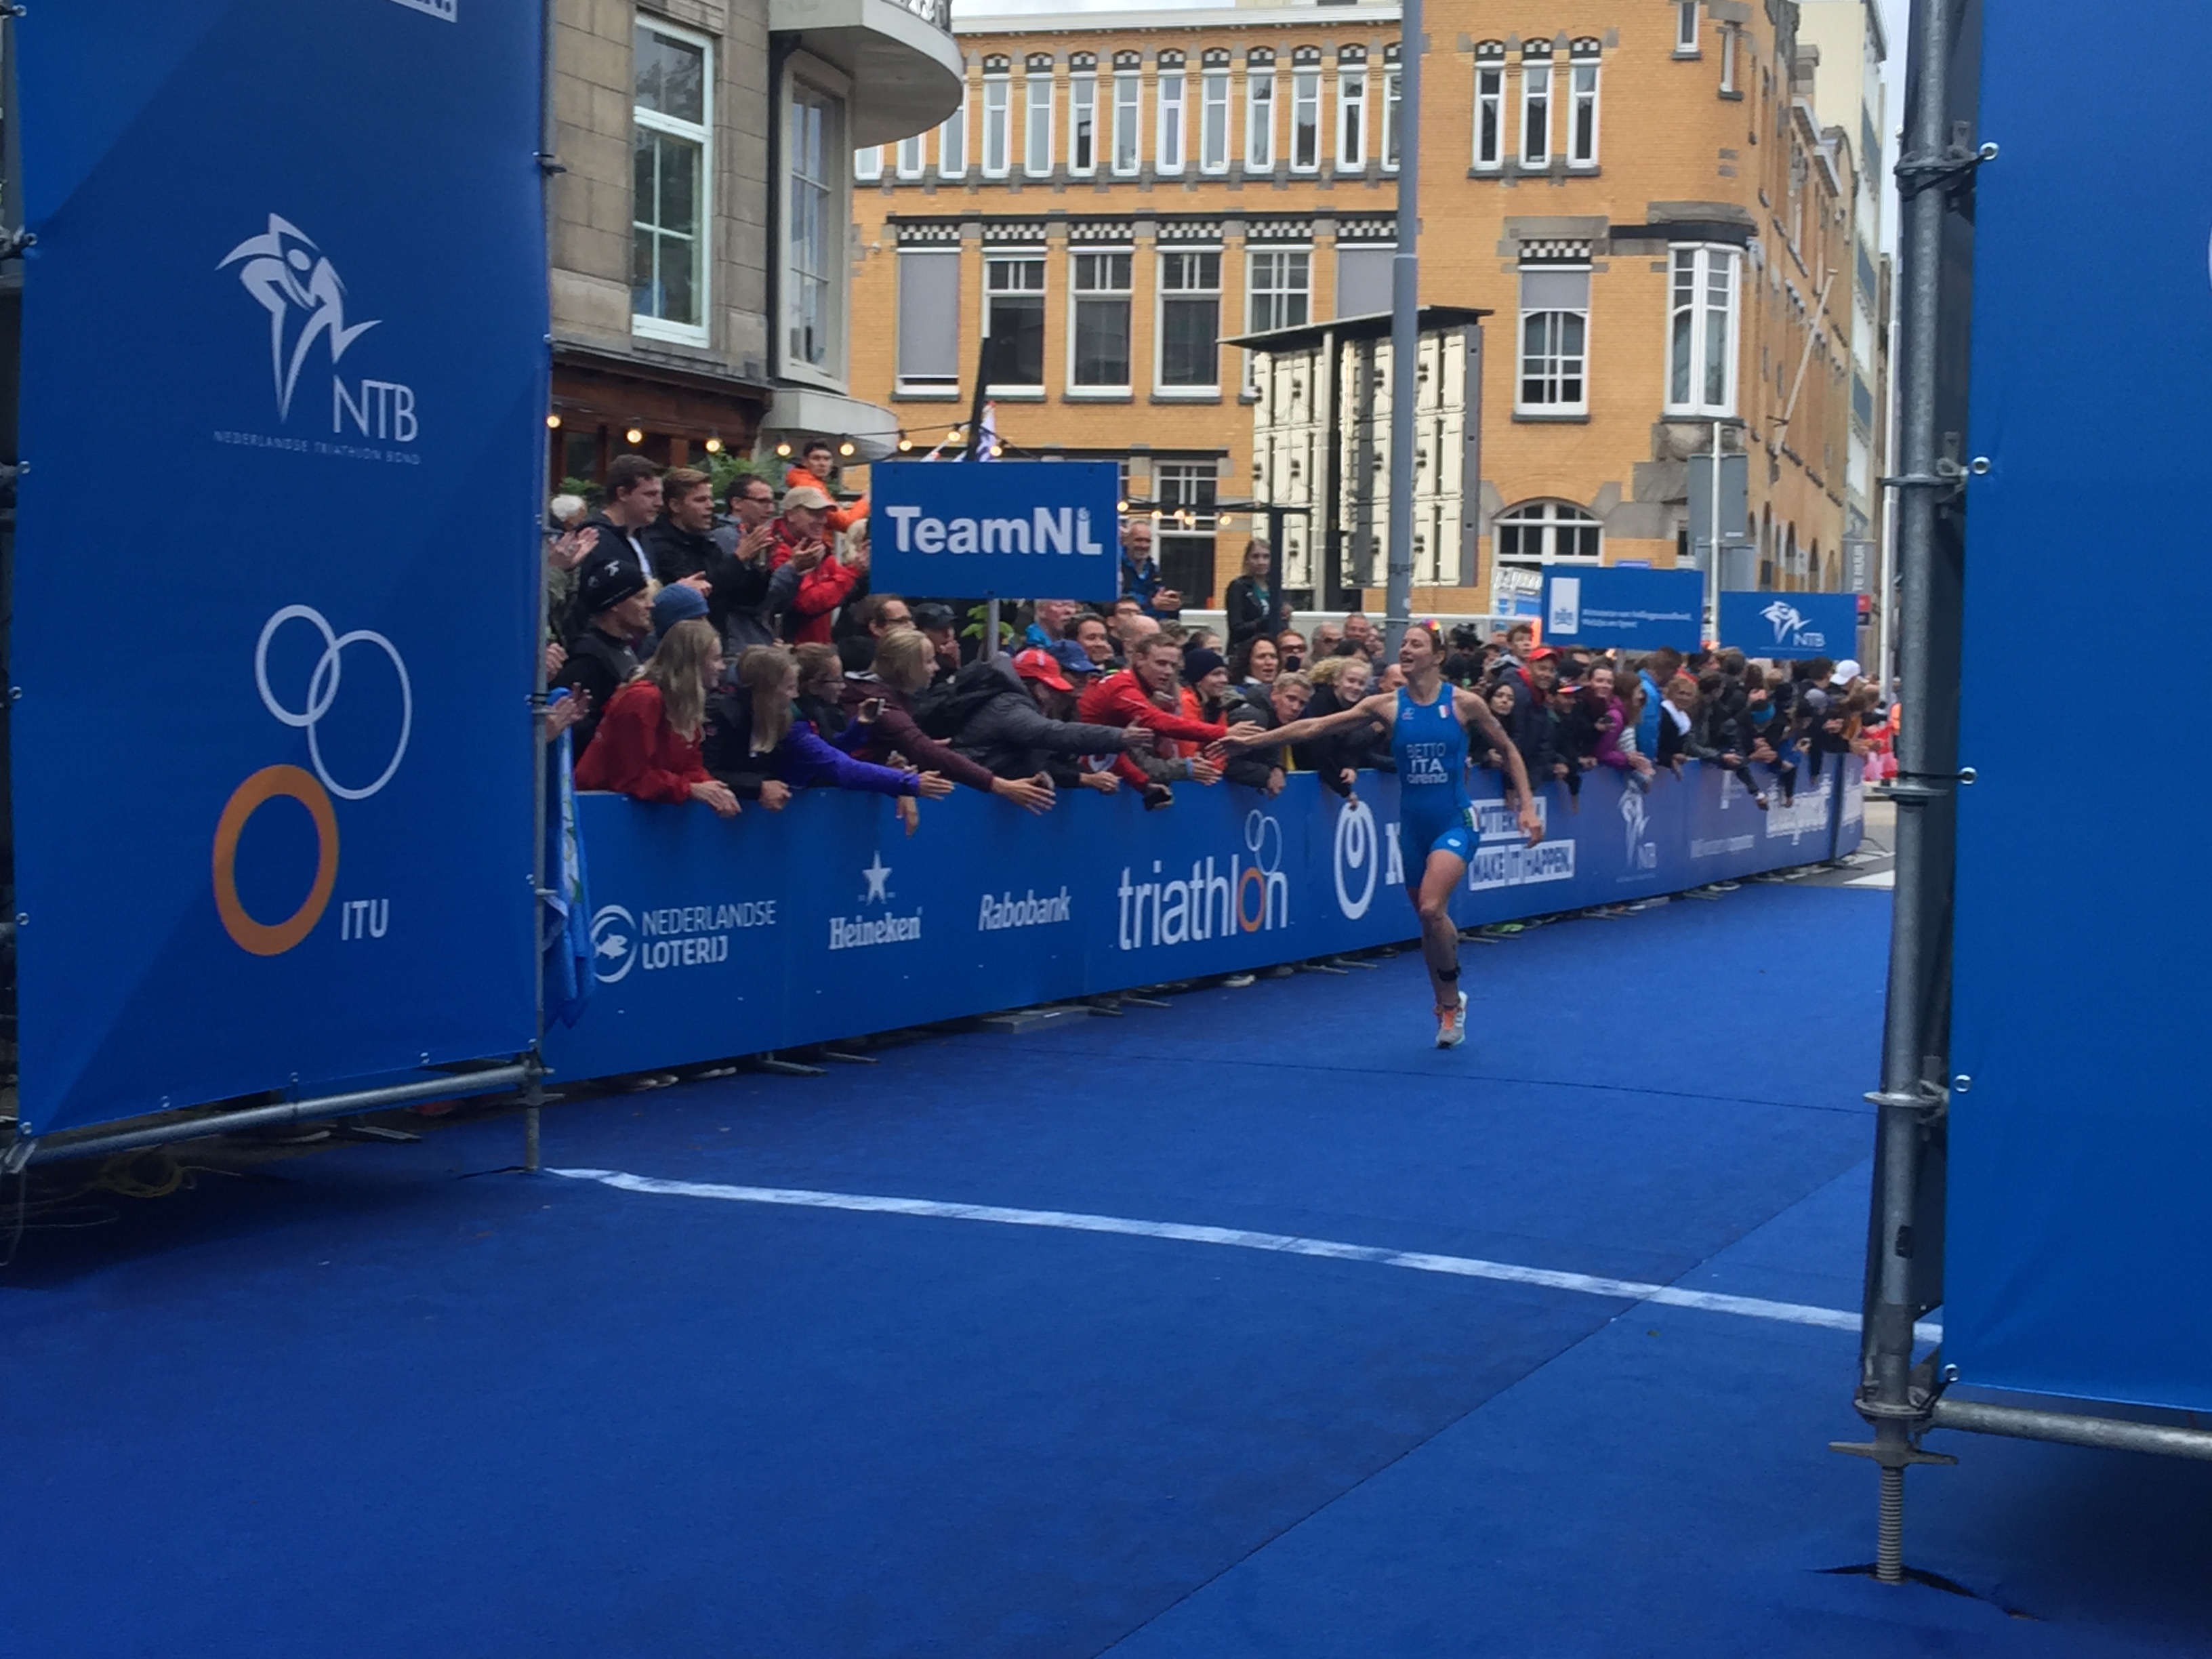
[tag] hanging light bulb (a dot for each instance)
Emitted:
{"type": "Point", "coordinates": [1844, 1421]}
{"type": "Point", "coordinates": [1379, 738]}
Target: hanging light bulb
{"type": "Point", "coordinates": [783, 452]}
{"type": "Point", "coordinates": [953, 436]}
{"type": "Point", "coordinates": [905, 444]}
{"type": "Point", "coordinates": [553, 421]}
{"type": "Point", "coordinates": [713, 446]}
{"type": "Point", "coordinates": [997, 450]}
{"type": "Point", "coordinates": [846, 449]}
{"type": "Point", "coordinates": [634, 436]}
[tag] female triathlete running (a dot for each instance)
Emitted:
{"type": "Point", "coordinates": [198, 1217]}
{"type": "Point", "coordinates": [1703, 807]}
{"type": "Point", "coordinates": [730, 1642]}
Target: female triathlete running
{"type": "Point", "coordinates": [1428, 722]}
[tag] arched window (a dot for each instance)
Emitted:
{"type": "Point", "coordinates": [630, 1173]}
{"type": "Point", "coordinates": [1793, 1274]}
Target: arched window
{"type": "Point", "coordinates": [1531, 535]}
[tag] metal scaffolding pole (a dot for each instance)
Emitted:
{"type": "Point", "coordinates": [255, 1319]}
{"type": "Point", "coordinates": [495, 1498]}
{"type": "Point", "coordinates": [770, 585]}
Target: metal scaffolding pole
{"type": "Point", "coordinates": [1896, 1398]}
{"type": "Point", "coordinates": [1405, 329]}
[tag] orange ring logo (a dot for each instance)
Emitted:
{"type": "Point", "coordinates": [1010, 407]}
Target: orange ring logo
{"type": "Point", "coordinates": [291, 782]}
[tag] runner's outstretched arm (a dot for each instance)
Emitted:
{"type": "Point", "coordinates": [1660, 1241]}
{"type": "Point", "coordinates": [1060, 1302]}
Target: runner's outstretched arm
{"type": "Point", "coordinates": [1476, 712]}
{"type": "Point", "coordinates": [1381, 709]}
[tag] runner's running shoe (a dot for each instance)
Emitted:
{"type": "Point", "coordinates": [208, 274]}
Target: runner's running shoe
{"type": "Point", "coordinates": [1451, 1024]}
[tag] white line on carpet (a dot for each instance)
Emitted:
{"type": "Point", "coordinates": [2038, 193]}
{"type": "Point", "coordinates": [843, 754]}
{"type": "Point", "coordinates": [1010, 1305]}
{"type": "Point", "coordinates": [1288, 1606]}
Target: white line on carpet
{"type": "Point", "coordinates": [1623, 1290]}
{"type": "Point", "coordinates": [1879, 878]}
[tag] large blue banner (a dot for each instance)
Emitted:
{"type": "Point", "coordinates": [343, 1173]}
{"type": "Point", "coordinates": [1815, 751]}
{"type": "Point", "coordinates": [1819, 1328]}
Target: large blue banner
{"type": "Point", "coordinates": [2078, 1229]}
{"type": "Point", "coordinates": [1013, 529]}
{"type": "Point", "coordinates": [1787, 626]}
{"type": "Point", "coordinates": [276, 577]}
{"type": "Point", "coordinates": [714, 937]}
{"type": "Point", "coordinates": [1604, 606]}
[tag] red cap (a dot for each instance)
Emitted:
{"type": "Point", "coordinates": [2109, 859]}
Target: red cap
{"type": "Point", "coordinates": [1038, 663]}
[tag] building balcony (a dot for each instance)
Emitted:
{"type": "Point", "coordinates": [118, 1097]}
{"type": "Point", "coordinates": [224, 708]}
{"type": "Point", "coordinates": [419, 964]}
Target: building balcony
{"type": "Point", "coordinates": [904, 63]}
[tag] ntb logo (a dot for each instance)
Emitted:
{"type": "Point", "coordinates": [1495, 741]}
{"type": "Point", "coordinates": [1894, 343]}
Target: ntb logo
{"type": "Point", "coordinates": [294, 282]}
{"type": "Point", "coordinates": [1792, 627]}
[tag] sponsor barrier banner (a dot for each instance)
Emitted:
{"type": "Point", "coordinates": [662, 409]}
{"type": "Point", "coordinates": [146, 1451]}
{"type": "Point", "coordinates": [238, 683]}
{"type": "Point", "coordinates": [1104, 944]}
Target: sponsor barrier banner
{"type": "Point", "coordinates": [711, 939]}
{"type": "Point", "coordinates": [2077, 1231]}
{"type": "Point", "coordinates": [1791, 626]}
{"type": "Point", "coordinates": [273, 825]}
{"type": "Point", "coordinates": [998, 528]}
{"type": "Point", "coordinates": [1618, 605]}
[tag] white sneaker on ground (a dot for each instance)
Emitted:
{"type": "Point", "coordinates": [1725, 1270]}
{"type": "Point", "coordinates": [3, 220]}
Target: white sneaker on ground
{"type": "Point", "coordinates": [1451, 1024]}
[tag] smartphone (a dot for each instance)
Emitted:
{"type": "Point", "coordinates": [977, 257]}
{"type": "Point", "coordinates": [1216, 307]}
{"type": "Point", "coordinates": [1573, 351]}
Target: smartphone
{"type": "Point", "coordinates": [872, 711]}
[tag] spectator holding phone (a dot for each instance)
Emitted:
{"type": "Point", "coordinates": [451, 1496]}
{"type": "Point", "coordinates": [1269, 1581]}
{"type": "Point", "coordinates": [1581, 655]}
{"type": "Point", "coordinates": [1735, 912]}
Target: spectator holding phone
{"type": "Point", "coordinates": [648, 743]}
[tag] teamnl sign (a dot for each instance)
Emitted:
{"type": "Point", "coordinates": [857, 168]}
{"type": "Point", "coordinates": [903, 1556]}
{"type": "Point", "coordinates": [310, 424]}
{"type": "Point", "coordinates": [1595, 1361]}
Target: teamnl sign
{"type": "Point", "coordinates": [1035, 529]}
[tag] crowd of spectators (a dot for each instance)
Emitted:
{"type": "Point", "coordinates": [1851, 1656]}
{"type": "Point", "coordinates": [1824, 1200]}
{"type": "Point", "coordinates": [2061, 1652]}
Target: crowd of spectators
{"type": "Point", "coordinates": [731, 652]}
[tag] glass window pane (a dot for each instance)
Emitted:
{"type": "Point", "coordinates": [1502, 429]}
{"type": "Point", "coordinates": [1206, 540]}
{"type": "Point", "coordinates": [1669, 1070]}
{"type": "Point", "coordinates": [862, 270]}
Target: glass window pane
{"type": "Point", "coordinates": [679, 187]}
{"type": "Point", "coordinates": [671, 76]}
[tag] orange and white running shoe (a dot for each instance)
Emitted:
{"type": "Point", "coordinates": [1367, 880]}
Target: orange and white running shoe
{"type": "Point", "coordinates": [1451, 1024]}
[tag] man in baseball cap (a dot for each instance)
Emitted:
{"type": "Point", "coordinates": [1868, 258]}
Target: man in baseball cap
{"type": "Point", "coordinates": [802, 538]}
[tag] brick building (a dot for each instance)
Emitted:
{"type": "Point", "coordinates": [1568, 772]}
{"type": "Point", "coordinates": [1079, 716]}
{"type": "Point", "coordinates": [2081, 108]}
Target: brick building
{"type": "Point", "coordinates": [703, 150]}
{"type": "Point", "coordinates": [1643, 197]}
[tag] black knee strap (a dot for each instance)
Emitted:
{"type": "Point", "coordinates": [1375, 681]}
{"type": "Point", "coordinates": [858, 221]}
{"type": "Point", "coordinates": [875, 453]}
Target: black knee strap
{"type": "Point", "coordinates": [1450, 973]}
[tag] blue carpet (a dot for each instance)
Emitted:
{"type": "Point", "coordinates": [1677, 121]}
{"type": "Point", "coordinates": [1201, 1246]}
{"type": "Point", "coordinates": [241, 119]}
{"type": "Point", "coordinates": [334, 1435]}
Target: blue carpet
{"type": "Point", "coordinates": [361, 1406]}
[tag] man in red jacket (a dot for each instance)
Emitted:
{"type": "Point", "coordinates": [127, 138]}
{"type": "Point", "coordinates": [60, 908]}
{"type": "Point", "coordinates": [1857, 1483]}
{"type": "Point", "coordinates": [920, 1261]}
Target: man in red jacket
{"type": "Point", "coordinates": [1125, 699]}
{"type": "Point", "coordinates": [802, 536]}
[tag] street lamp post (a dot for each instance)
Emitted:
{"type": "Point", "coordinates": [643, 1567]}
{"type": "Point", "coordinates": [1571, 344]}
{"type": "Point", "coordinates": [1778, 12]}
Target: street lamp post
{"type": "Point", "coordinates": [1405, 327]}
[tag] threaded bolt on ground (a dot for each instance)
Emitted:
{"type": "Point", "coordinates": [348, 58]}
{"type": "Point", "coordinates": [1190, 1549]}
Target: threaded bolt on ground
{"type": "Point", "coordinates": [1889, 1537]}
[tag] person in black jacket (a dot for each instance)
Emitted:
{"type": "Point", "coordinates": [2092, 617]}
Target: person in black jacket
{"type": "Point", "coordinates": [1012, 720]}
{"type": "Point", "coordinates": [744, 597]}
{"type": "Point", "coordinates": [603, 657]}
{"type": "Point", "coordinates": [1525, 712]}
{"type": "Point", "coordinates": [1340, 682]}
{"type": "Point", "coordinates": [1250, 608]}
{"type": "Point", "coordinates": [681, 540]}
{"type": "Point", "coordinates": [1266, 770]}
{"type": "Point", "coordinates": [633, 502]}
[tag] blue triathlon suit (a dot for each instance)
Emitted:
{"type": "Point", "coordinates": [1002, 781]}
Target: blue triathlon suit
{"type": "Point", "coordinates": [1435, 811]}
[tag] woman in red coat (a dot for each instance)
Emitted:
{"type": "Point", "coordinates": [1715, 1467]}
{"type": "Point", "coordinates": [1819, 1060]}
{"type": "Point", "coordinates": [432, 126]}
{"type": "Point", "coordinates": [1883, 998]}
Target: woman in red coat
{"type": "Point", "coordinates": [647, 744]}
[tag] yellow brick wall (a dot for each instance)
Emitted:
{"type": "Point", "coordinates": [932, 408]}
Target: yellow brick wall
{"type": "Point", "coordinates": [1668, 142]}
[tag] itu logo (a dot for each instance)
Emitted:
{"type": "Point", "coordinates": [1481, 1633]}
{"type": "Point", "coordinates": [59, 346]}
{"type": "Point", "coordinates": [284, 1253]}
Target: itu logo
{"type": "Point", "coordinates": [1791, 626]}
{"type": "Point", "coordinates": [311, 790]}
{"type": "Point", "coordinates": [294, 282]}
{"type": "Point", "coordinates": [1358, 857]}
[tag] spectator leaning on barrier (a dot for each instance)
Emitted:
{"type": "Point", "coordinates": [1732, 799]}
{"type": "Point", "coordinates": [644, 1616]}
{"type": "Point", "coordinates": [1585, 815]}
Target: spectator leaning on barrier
{"type": "Point", "coordinates": [617, 605]}
{"type": "Point", "coordinates": [1008, 728]}
{"type": "Point", "coordinates": [905, 665]}
{"type": "Point", "coordinates": [757, 747]}
{"type": "Point", "coordinates": [648, 746]}
{"type": "Point", "coordinates": [681, 541]}
{"type": "Point", "coordinates": [1125, 698]}
{"type": "Point", "coordinates": [819, 699]}
{"type": "Point", "coordinates": [1283, 700]}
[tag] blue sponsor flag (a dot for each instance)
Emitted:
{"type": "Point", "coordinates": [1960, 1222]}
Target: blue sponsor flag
{"type": "Point", "coordinates": [568, 923]}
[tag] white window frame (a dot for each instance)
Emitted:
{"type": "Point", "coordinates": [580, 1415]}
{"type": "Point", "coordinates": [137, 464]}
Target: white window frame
{"type": "Point", "coordinates": [1037, 94]}
{"type": "Point", "coordinates": [1082, 111]}
{"type": "Point", "coordinates": [1582, 82]}
{"type": "Point", "coordinates": [1276, 291]}
{"type": "Point", "coordinates": [946, 387]}
{"type": "Point", "coordinates": [1547, 519]}
{"type": "Point", "coordinates": [1126, 294]}
{"type": "Point", "coordinates": [952, 140]}
{"type": "Point", "coordinates": [1392, 109]}
{"type": "Point", "coordinates": [1037, 257]}
{"type": "Point", "coordinates": [1536, 88]}
{"type": "Point", "coordinates": [1170, 93]}
{"type": "Point", "coordinates": [641, 325]}
{"type": "Point", "coordinates": [913, 155]}
{"type": "Point", "coordinates": [1260, 117]}
{"type": "Point", "coordinates": [830, 84]}
{"type": "Point", "coordinates": [1161, 390]}
{"type": "Point", "coordinates": [1213, 120]}
{"type": "Point", "coordinates": [998, 115]}
{"type": "Point", "coordinates": [1688, 347]}
{"type": "Point", "coordinates": [1305, 95]}
{"type": "Point", "coordinates": [1129, 123]}
{"type": "Point", "coordinates": [1490, 98]}
{"type": "Point", "coordinates": [1351, 118]}
{"type": "Point", "coordinates": [868, 164]}
{"type": "Point", "coordinates": [1555, 353]}
{"type": "Point", "coordinates": [1685, 29]}
{"type": "Point", "coordinates": [1728, 87]}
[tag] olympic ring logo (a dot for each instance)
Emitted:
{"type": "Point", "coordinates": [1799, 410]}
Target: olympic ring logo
{"type": "Point", "coordinates": [312, 790]}
{"type": "Point", "coordinates": [1358, 847]}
